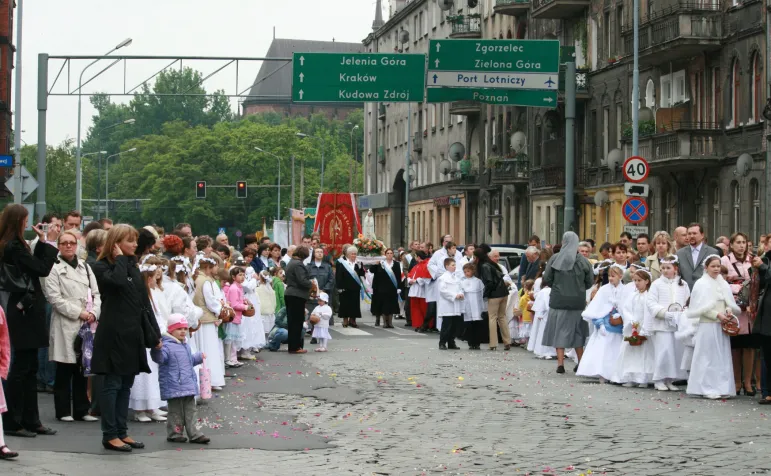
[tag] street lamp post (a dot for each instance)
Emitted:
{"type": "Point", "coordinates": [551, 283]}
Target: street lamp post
{"type": "Point", "coordinates": [99, 164]}
{"type": "Point", "coordinates": [323, 146]}
{"type": "Point", "coordinates": [78, 170]}
{"type": "Point", "coordinates": [98, 153]}
{"type": "Point", "coordinates": [107, 179]}
{"type": "Point", "coordinates": [278, 160]}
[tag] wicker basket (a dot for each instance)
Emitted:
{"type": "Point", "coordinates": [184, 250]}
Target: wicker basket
{"type": "Point", "coordinates": [731, 327]}
{"type": "Point", "coordinates": [635, 341]}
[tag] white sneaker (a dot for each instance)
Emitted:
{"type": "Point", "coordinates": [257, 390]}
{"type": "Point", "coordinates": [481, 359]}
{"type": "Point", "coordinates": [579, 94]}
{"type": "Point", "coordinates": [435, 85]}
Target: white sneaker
{"type": "Point", "coordinates": [66, 418]}
{"type": "Point", "coordinates": [672, 387]}
{"type": "Point", "coordinates": [217, 389]}
{"type": "Point", "coordinates": [142, 417]}
{"type": "Point", "coordinates": [602, 380]}
{"type": "Point", "coordinates": [90, 418]}
{"type": "Point", "coordinates": [628, 384]}
{"type": "Point", "coordinates": [548, 357]}
{"type": "Point", "coordinates": [713, 396]}
{"type": "Point", "coordinates": [161, 412]}
{"type": "Point", "coordinates": [660, 386]}
{"type": "Point", "coordinates": [246, 356]}
{"type": "Point", "coordinates": [157, 416]}
{"type": "Point", "coordinates": [643, 385]}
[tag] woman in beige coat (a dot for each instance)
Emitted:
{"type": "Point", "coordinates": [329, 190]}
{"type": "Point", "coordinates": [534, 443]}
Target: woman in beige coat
{"type": "Point", "coordinates": [73, 293]}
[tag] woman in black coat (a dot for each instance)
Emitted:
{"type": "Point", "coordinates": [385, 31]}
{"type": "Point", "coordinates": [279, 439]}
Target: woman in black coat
{"type": "Point", "coordinates": [26, 315]}
{"type": "Point", "coordinates": [127, 327]}
{"type": "Point", "coordinates": [349, 288]}
{"type": "Point", "coordinates": [298, 290]}
{"type": "Point", "coordinates": [385, 292]}
{"type": "Point", "coordinates": [762, 326]}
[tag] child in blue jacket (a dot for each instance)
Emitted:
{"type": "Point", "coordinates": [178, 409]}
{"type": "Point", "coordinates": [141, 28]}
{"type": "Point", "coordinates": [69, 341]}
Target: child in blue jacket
{"type": "Point", "coordinates": [178, 383]}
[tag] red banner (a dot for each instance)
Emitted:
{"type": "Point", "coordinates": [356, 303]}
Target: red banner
{"type": "Point", "coordinates": [337, 219]}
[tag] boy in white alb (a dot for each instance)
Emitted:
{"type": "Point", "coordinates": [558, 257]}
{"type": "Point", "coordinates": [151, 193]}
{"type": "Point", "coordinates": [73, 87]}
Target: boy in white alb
{"type": "Point", "coordinates": [473, 306]}
{"type": "Point", "coordinates": [321, 328]}
{"type": "Point", "coordinates": [449, 305]}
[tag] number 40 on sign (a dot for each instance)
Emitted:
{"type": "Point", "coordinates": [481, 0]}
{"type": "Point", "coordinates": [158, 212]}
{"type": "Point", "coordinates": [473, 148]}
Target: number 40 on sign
{"type": "Point", "coordinates": [636, 169]}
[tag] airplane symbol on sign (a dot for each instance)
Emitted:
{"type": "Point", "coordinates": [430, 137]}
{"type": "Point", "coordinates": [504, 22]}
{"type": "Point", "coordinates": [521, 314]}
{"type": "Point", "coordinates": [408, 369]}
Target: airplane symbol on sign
{"type": "Point", "coordinates": [549, 83]}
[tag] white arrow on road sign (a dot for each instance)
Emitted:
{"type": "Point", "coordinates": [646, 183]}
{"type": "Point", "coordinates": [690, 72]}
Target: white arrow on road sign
{"type": "Point", "coordinates": [301, 93]}
{"type": "Point", "coordinates": [302, 60]}
{"type": "Point", "coordinates": [437, 62]}
{"type": "Point", "coordinates": [549, 100]}
{"type": "Point", "coordinates": [302, 76]}
{"type": "Point", "coordinates": [28, 183]}
{"type": "Point", "coordinates": [438, 47]}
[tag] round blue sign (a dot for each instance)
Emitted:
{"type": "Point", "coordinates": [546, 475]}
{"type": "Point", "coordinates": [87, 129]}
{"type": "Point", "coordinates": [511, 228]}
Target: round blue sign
{"type": "Point", "coordinates": [635, 210]}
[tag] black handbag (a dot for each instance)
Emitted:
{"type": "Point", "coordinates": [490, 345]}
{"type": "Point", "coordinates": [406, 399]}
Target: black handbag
{"type": "Point", "coordinates": [12, 280]}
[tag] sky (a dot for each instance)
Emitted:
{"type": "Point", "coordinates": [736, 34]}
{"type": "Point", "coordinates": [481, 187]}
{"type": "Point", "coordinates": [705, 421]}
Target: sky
{"type": "Point", "coordinates": [222, 28]}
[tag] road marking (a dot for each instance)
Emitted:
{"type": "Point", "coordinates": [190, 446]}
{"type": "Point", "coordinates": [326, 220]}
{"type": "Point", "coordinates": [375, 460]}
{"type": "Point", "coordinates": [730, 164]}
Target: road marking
{"type": "Point", "coordinates": [404, 333]}
{"type": "Point", "coordinates": [350, 331]}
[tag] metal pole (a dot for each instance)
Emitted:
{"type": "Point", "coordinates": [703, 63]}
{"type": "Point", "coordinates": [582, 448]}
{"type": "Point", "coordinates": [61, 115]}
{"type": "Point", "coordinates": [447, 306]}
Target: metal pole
{"type": "Point", "coordinates": [42, 108]}
{"type": "Point", "coordinates": [278, 203]}
{"type": "Point", "coordinates": [768, 139]}
{"type": "Point", "coordinates": [570, 133]}
{"type": "Point", "coordinates": [302, 184]}
{"type": "Point", "coordinates": [99, 186]}
{"type": "Point", "coordinates": [323, 146]}
{"type": "Point", "coordinates": [292, 201]}
{"type": "Point", "coordinates": [107, 187]}
{"type": "Point", "coordinates": [17, 196]}
{"type": "Point", "coordinates": [636, 77]}
{"type": "Point", "coordinates": [407, 180]}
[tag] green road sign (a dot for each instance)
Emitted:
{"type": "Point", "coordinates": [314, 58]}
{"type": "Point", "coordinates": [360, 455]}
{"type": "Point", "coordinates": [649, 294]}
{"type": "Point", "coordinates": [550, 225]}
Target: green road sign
{"type": "Point", "coordinates": [513, 97]}
{"type": "Point", "coordinates": [358, 77]}
{"type": "Point", "coordinates": [513, 56]}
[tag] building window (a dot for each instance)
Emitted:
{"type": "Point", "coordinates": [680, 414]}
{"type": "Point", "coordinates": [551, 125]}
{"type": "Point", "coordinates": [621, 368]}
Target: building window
{"type": "Point", "coordinates": [619, 114]}
{"type": "Point", "coordinates": [650, 94]}
{"type": "Point", "coordinates": [607, 222]}
{"type": "Point", "coordinates": [537, 143]}
{"type": "Point", "coordinates": [592, 221]}
{"type": "Point", "coordinates": [606, 38]}
{"type": "Point", "coordinates": [755, 217]}
{"type": "Point", "coordinates": [715, 96]}
{"type": "Point", "coordinates": [605, 132]}
{"type": "Point", "coordinates": [756, 89]}
{"type": "Point", "coordinates": [494, 133]}
{"type": "Point", "coordinates": [619, 22]}
{"type": "Point", "coordinates": [733, 96]}
{"type": "Point", "coordinates": [736, 206]}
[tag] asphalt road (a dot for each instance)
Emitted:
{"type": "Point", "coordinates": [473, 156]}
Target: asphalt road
{"type": "Point", "coordinates": [387, 401]}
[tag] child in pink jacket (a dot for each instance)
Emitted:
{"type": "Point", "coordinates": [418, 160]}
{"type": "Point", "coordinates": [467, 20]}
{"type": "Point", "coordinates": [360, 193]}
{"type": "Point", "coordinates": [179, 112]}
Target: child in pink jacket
{"type": "Point", "coordinates": [5, 363]}
{"type": "Point", "coordinates": [233, 334]}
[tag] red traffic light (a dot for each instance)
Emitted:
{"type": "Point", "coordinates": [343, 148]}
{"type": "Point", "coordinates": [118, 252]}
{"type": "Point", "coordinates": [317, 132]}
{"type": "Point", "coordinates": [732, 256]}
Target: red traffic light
{"type": "Point", "coordinates": [201, 185]}
{"type": "Point", "coordinates": [241, 189]}
{"type": "Point", "coordinates": [200, 189]}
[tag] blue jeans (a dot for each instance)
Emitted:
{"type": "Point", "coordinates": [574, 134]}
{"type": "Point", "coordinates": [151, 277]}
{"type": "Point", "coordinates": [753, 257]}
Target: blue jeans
{"type": "Point", "coordinates": [114, 405]}
{"type": "Point", "coordinates": [281, 336]}
{"type": "Point", "coordinates": [46, 371]}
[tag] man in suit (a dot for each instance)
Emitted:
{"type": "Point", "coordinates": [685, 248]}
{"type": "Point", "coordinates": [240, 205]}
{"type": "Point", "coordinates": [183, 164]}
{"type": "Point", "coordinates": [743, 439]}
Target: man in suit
{"type": "Point", "coordinates": [692, 256]}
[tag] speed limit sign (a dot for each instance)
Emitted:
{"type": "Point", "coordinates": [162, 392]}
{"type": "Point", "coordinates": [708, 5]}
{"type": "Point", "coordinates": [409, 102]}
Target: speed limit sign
{"type": "Point", "coordinates": [636, 169]}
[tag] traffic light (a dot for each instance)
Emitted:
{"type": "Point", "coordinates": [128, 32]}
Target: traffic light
{"type": "Point", "coordinates": [200, 189]}
{"type": "Point", "coordinates": [241, 189]}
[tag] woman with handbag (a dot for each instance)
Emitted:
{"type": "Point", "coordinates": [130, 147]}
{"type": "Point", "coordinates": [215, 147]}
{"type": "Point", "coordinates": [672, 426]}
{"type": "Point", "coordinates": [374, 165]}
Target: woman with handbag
{"type": "Point", "coordinates": [298, 290]}
{"type": "Point", "coordinates": [738, 262]}
{"type": "Point", "coordinates": [713, 304]}
{"type": "Point", "coordinates": [73, 293]}
{"type": "Point", "coordinates": [127, 327]}
{"type": "Point", "coordinates": [761, 328]}
{"type": "Point", "coordinates": [21, 297]}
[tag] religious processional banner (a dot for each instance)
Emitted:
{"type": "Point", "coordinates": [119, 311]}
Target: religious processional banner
{"type": "Point", "coordinates": [337, 219]}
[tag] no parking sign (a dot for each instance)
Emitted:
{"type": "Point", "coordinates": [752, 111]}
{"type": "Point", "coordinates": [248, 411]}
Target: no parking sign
{"type": "Point", "coordinates": [635, 210]}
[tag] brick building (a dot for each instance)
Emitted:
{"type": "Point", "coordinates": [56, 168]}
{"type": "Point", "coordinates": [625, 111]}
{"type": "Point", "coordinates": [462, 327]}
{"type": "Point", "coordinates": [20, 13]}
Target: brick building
{"type": "Point", "coordinates": [7, 51]}
{"type": "Point", "coordinates": [272, 89]}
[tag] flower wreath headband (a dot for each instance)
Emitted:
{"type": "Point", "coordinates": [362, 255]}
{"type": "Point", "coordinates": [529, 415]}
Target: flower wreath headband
{"type": "Point", "coordinates": [147, 268]}
{"type": "Point", "coordinates": [642, 268]}
{"type": "Point", "coordinates": [670, 261]}
{"type": "Point", "coordinates": [704, 263]}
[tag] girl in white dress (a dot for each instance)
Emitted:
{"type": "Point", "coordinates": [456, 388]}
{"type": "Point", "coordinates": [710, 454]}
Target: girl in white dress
{"type": "Point", "coordinates": [600, 359]}
{"type": "Point", "coordinates": [636, 363]}
{"type": "Point", "coordinates": [540, 316]}
{"type": "Point", "coordinates": [712, 302]}
{"type": "Point", "coordinates": [145, 397]}
{"type": "Point", "coordinates": [209, 298]}
{"type": "Point", "coordinates": [667, 297]}
{"type": "Point", "coordinates": [267, 298]}
{"type": "Point", "coordinates": [252, 327]}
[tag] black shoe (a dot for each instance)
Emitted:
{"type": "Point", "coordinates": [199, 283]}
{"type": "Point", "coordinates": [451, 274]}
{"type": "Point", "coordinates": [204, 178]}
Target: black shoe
{"type": "Point", "coordinates": [453, 347]}
{"type": "Point", "coordinates": [22, 433]}
{"type": "Point", "coordinates": [137, 445]}
{"type": "Point", "coordinates": [123, 449]}
{"type": "Point", "coordinates": [42, 430]}
{"type": "Point", "coordinates": [177, 439]}
{"type": "Point", "coordinates": [575, 369]}
{"type": "Point", "coordinates": [408, 324]}
{"type": "Point", "coordinates": [442, 347]}
{"type": "Point", "coordinates": [314, 341]}
{"type": "Point", "coordinates": [201, 440]}
{"type": "Point", "coordinates": [5, 453]}
{"type": "Point", "coordinates": [560, 369]}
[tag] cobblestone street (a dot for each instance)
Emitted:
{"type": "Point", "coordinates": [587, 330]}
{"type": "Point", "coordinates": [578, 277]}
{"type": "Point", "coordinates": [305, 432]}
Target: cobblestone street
{"type": "Point", "coordinates": [389, 402]}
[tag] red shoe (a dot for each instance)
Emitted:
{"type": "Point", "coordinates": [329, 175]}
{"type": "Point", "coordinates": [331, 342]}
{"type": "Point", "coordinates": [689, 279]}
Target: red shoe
{"type": "Point", "coordinates": [299, 351]}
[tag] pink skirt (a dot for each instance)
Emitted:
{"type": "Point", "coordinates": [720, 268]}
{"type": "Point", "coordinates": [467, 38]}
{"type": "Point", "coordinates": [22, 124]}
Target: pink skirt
{"type": "Point", "coordinates": [3, 406]}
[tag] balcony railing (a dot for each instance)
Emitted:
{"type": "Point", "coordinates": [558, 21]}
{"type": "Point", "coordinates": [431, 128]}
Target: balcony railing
{"type": "Point", "coordinates": [677, 36]}
{"type": "Point", "coordinates": [466, 27]}
{"type": "Point", "coordinates": [511, 170]}
{"type": "Point", "coordinates": [548, 177]}
{"type": "Point", "coordinates": [592, 176]}
{"type": "Point", "coordinates": [464, 108]}
{"type": "Point", "coordinates": [511, 7]}
{"type": "Point", "coordinates": [684, 144]}
{"type": "Point", "coordinates": [558, 8]}
{"type": "Point", "coordinates": [677, 6]}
